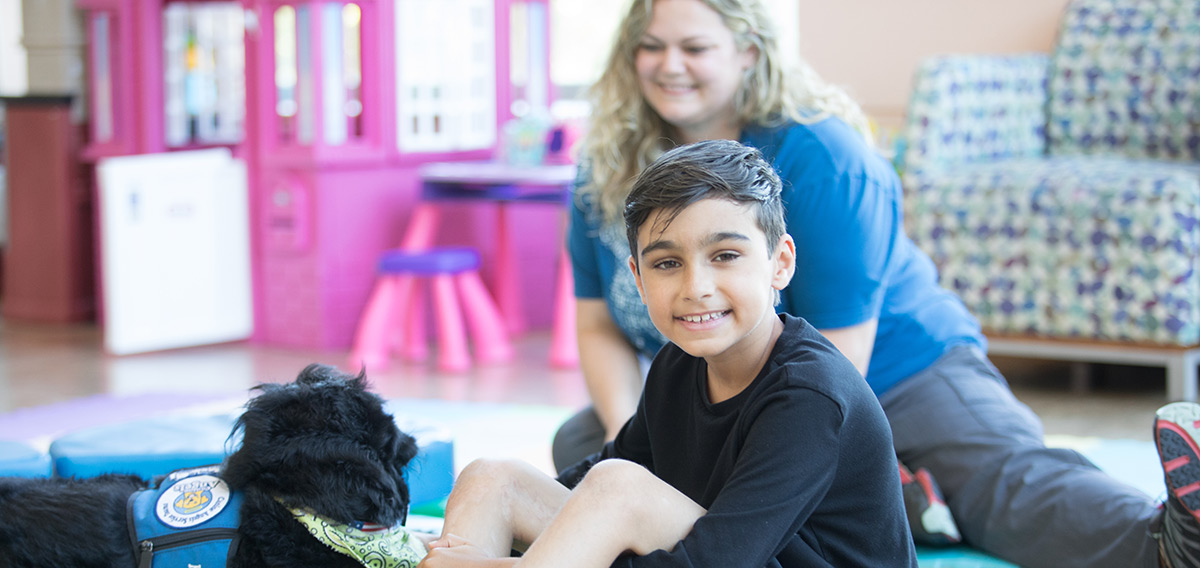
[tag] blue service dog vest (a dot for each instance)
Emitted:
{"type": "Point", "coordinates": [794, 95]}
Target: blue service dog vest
{"type": "Point", "coordinates": [190, 520]}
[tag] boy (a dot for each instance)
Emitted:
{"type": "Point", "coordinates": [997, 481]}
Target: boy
{"type": "Point", "coordinates": [755, 442]}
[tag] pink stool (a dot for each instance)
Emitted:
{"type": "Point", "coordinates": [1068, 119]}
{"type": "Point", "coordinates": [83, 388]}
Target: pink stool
{"type": "Point", "coordinates": [395, 314]}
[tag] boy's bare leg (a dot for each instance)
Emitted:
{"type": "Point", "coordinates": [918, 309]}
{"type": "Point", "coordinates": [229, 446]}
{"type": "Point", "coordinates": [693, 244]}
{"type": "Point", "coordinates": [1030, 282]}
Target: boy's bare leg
{"type": "Point", "coordinates": [495, 502]}
{"type": "Point", "coordinates": [619, 506]}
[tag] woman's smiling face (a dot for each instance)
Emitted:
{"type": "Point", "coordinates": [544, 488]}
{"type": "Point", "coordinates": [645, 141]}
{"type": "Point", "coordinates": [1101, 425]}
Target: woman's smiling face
{"type": "Point", "coordinates": [689, 69]}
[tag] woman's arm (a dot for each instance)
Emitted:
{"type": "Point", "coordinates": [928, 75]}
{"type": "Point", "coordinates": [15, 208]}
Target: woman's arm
{"type": "Point", "coordinates": [856, 342]}
{"type": "Point", "coordinates": [609, 364]}
{"type": "Point", "coordinates": [843, 211]}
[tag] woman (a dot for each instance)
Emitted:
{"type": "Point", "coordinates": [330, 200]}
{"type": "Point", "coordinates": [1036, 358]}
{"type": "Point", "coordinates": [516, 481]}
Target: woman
{"type": "Point", "coordinates": [688, 70]}
{"type": "Point", "coordinates": [705, 73]}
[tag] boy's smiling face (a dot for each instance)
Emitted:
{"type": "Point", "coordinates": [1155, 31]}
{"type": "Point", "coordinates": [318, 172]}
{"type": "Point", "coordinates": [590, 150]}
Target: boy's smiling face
{"type": "Point", "coordinates": [709, 281]}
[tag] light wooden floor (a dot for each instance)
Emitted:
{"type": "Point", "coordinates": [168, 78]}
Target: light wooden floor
{"type": "Point", "coordinates": [42, 364]}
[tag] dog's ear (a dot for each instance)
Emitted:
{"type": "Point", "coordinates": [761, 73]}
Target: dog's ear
{"type": "Point", "coordinates": [367, 485]}
{"type": "Point", "coordinates": [345, 490]}
{"type": "Point", "coordinates": [395, 450]}
{"type": "Point", "coordinates": [404, 448]}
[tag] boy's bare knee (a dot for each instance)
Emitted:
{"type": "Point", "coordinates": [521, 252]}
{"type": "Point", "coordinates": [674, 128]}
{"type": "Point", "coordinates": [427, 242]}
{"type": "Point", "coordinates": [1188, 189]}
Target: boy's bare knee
{"type": "Point", "coordinates": [617, 484]}
{"type": "Point", "coordinates": [616, 475]}
{"type": "Point", "coordinates": [493, 467]}
{"type": "Point", "coordinates": [487, 467]}
{"type": "Point", "coordinates": [646, 510]}
{"type": "Point", "coordinates": [503, 480]}
{"type": "Point", "coordinates": [489, 475]}
{"type": "Point", "coordinates": [479, 470]}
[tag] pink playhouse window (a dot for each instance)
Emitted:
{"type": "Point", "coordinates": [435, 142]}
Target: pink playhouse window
{"type": "Point", "coordinates": [318, 75]}
{"type": "Point", "coordinates": [445, 76]}
{"type": "Point", "coordinates": [102, 31]}
{"type": "Point", "coordinates": [350, 92]}
{"type": "Point", "coordinates": [529, 53]}
{"type": "Point", "coordinates": [204, 63]}
{"type": "Point", "coordinates": [287, 75]}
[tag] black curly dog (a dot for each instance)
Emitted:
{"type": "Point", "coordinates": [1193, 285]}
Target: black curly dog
{"type": "Point", "coordinates": [322, 442]}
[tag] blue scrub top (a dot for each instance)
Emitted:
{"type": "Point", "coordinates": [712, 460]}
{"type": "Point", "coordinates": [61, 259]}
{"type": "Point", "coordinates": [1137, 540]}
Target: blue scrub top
{"type": "Point", "coordinates": [853, 260]}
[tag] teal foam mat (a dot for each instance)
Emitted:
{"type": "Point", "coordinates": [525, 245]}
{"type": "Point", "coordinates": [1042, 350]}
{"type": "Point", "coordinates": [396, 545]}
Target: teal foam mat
{"type": "Point", "coordinates": [957, 557]}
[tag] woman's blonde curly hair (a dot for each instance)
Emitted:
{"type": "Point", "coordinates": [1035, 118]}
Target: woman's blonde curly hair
{"type": "Point", "coordinates": [624, 135]}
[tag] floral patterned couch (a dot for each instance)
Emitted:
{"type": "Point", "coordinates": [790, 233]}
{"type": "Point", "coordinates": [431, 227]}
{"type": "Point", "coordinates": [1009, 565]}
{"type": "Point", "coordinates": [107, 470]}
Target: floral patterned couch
{"type": "Point", "coordinates": [1060, 195]}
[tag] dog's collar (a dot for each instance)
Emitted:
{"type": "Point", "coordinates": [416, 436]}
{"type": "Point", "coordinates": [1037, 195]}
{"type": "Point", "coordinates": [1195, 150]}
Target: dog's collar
{"type": "Point", "coordinates": [372, 545]}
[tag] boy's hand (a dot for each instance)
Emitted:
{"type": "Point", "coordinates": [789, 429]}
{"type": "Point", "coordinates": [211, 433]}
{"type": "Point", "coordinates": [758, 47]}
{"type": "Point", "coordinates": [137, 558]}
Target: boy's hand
{"type": "Point", "coordinates": [450, 540]}
{"type": "Point", "coordinates": [453, 551]}
{"type": "Point", "coordinates": [426, 539]}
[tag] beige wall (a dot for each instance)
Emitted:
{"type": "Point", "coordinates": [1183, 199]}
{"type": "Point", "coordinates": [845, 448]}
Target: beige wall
{"type": "Point", "coordinates": [871, 47]}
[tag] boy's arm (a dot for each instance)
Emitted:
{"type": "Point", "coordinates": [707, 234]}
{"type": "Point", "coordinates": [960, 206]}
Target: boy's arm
{"type": "Point", "coordinates": [784, 470]}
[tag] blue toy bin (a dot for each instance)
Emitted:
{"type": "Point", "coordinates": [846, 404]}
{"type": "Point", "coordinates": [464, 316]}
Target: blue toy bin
{"type": "Point", "coordinates": [18, 459]}
{"type": "Point", "coordinates": [430, 475]}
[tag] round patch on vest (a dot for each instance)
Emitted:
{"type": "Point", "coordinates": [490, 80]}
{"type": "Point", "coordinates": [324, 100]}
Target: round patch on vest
{"type": "Point", "coordinates": [192, 501]}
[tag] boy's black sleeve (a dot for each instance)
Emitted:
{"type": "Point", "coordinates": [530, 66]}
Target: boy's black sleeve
{"type": "Point", "coordinates": [784, 470]}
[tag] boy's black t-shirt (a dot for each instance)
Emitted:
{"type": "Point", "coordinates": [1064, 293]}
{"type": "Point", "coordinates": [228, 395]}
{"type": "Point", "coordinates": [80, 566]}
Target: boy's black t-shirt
{"type": "Point", "coordinates": [796, 470]}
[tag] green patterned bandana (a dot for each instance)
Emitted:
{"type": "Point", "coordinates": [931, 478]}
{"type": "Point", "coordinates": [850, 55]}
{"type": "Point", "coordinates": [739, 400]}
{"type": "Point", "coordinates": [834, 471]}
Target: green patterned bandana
{"type": "Point", "coordinates": [373, 546]}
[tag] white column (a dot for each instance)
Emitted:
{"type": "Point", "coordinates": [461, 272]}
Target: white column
{"type": "Point", "coordinates": [13, 74]}
{"type": "Point", "coordinates": [53, 40]}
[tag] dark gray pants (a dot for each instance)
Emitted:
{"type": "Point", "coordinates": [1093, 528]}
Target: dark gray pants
{"type": "Point", "coordinates": [1011, 495]}
{"type": "Point", "coordinates": [579, 437]}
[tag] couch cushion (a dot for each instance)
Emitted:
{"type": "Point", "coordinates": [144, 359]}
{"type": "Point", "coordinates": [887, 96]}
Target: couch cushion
{"type": "Point", "coordinates": [1067, 247]}
{"type": "Point", "coordinates": [975, 108]}
{"type": "Point", "coordinates": [1125, 80]}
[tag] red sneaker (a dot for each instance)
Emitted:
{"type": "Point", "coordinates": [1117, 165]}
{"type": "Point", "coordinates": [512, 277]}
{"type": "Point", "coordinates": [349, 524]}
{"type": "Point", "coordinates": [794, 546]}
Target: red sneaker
{"type": "Point", "coordinates": [1175, 431]}
{"type": "Point", "coordinates": [928, 516]}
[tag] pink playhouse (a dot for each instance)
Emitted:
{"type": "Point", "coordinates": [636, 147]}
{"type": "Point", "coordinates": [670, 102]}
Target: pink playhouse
{"type": "Point", "coordinates": [336, 108]}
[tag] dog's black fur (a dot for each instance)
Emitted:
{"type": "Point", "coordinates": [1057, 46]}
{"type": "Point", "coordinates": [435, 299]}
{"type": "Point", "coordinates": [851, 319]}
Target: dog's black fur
{"type": "Point", "coordinates": [322, 442]}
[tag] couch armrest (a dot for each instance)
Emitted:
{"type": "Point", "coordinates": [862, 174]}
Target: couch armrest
{"type": "Point", "coordinates": [976, 108]}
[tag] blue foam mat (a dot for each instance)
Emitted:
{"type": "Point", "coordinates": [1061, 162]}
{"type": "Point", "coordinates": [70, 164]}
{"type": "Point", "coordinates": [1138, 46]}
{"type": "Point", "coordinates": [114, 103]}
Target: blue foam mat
{"type": "Point", "coordinates": [21, 460]}
{"type": "Point", "coordinates": [147, 447]}
{"type": "Point", "coordinates": [156, 446]}
{"type": "Point", "coordinates": [958, 557]}
{"type": "Point", "coordinates": [452, 433]}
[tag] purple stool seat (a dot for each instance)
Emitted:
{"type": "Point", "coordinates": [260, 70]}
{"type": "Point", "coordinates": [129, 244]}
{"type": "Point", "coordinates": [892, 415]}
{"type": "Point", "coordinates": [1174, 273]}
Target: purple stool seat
{"type": "Point", "coordinates": [444, 260]}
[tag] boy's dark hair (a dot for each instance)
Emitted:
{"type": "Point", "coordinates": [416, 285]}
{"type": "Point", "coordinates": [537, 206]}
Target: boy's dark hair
{"type": "Point", "coordinates": [712, 169]}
